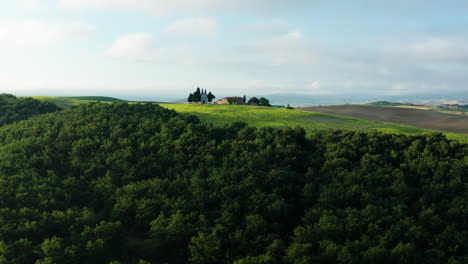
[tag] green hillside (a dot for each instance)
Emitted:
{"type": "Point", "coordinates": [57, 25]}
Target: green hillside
{"type": "Point", "coordinates": [67, 102]}
{"type": "Point", "coordinates": [139, 184]}
{"type": "Point", "coordinates": [14, 109]}
{"type": "Point", "coordinates": [263, 117]}
{"type": "Point", "coordinates": [282, 118]}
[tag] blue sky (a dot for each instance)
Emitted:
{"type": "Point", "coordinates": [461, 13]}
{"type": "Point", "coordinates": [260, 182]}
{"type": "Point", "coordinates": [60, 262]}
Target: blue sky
{"type": "Point", "coordinates": [163, 49]}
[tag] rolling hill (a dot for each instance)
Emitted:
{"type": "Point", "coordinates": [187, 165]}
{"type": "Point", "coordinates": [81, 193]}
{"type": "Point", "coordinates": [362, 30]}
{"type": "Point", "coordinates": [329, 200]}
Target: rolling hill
{"type": "Point", "coordinates": [399, 115]}
{"type": "Point", "coordinates": [67, 102]}
{"type": "Point", "coordinates": [261, 117]}
{"type": "Point", "coordinates": [13, 109]}
{"type": "Point", "coordinates": [282, 118]}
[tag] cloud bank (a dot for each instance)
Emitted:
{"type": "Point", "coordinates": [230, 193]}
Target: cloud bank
{"type": "Point", "coordinates": [38, 33]}
{"type": "Point", "coordinates": [202, 26]}
{"type": "Point", "coordinates": [164, 7]}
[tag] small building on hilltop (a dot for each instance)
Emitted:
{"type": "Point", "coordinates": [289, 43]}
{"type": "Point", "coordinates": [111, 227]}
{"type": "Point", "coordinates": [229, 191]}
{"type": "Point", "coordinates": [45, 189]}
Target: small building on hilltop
{"type": "Point", "coordinates": [203, 99]}
{"type": "Point", "coordinates": [200, 96]}
{"type": "Point", "coordinates": [231, 100]}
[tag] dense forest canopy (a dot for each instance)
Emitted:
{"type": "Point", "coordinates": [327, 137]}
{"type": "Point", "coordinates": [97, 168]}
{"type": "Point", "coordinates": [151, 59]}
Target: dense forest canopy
{"type": "Point", "coordinates": [120, 183]}
{"type": "Point", "coordinates": [15, 109]}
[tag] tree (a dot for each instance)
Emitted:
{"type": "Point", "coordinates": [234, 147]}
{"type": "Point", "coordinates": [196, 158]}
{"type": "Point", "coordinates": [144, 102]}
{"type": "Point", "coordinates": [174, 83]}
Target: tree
{"type": "Point", "coordinates": [53, 250]}
{"type": "Point", "coordinates": [245, 99]}
{"type": "Point", "coordinates": [15, 109]}
{"type": "Point", "coordinates": [264, 102]}
{"type": "Point", "coordinates": [190, 98]}
{"type": "Point", "coordinates": [197, 95]}
{"type": "Point", "coordinates": [232, 100]}
{"type": "Point", "coordinates": [211, 97]}
{"type": "Point", "coordinates": [253, 101]}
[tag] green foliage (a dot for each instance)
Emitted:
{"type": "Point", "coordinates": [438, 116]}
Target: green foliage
{"type": "Point", "coordinates": [94, 98]}
{"type": "Point", "coordinates": [137, 183]}
{"type": "Point", "coordinates": [232, 101]}
{"type": "Point", "coordinates": [386, 103]}
{"type": "Point", "coordinates": [15, 109]}
{"type": "Point", "coordinates": [67, 102]}
{"type": "Point", "coordinates": [211, 97]}
{"type": "Point", "coordinates": [253, 101]}
{"type": "Point", "coordinates": [264, 102]}
{"type": "Point", "coordinates": [197, 95]}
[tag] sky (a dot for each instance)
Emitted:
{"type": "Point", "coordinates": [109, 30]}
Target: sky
{"type": "Point", "coordinates": [165, 49]}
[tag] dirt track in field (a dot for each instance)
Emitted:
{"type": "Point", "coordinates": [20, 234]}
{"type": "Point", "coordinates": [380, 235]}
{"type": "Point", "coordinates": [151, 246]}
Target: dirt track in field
{"type": "Point", "coordinates": [403, 116]}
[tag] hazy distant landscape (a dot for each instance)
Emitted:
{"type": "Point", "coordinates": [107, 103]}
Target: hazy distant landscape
{"type": "Point", "coordinates": [406, 116]}
{"type": "Point", "coordinates": [313, 100]}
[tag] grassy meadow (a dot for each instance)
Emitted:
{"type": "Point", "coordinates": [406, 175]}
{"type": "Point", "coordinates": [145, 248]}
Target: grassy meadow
{"type": "Point", "coordinates": [281, 118]}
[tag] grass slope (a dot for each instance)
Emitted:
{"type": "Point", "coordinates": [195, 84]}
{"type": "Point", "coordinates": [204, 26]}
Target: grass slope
{"type": "Point", "coordinates": [281, 118]}
{"type": "Point", "coordinates": [67, 102]}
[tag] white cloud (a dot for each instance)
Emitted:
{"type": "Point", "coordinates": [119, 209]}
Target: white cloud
{"type": "Point", "coordinates": [140, 47]}
{"type": "Point", "coordinates": [30, 4]}
{"type": "Point", "coordinates": [433, 86]}
{"type": "Point", "coordinates": [36, 33]}
{"type": "Point", "coordinates": [291, 49]}
{"type": "Point", "coordinates": [203, 26]}
{"type": "Point", "coordinates": [315, 86]}
{"type": "Point", "coordinates": [433, 50]}
{"type": "Point", "coordinates": [400, 89]}
{"type": "Point", "coordinates": [400, 86]}
{"type": "Point", "coordinates": [164, 7]}
{"type": "Point", "coordinates": [276, 27]}
{"type": "Point", "coordinates": [136, 46]}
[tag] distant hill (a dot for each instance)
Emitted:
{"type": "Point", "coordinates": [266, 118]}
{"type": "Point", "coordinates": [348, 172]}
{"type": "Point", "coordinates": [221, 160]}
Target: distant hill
{"type": "Point", "coordinates": [67, 102]}
{"type": "Point", "coordinates": [95, 98]}
{"type": "Point", "coordinates": [180, 101]}
{"type": "Point", "coordinates": [386, 103]}
{"type": "Point", "coordinates": [299, 99]}
{"type": "Point", "coordinates": [404, 116]}
{"type": "Point", "coordinates": [445, 108]}
{"type": "Point", "coordinates": [14, 109]}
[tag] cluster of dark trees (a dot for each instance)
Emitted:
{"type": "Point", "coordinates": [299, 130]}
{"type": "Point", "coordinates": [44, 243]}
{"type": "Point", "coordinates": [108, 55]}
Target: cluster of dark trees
{"type": "Point", "coordinates": [120, 183]}
{"type": "Point", "coordinates": [196, 97]}
{"type": "Point", "coordinates": [456, 105]}
{"type": "Point", "coordinates": [387, 103]}
{"type": "Point", "coordinates": [14, 109]}
{"type": "Point", "coordinates": [260, 102]}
